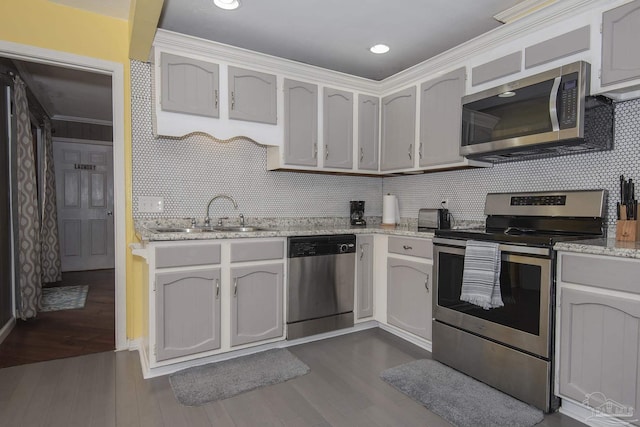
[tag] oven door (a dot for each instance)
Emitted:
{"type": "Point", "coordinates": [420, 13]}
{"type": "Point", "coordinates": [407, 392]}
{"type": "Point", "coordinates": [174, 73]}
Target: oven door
{"type": "Point", "coordinates": [525, 284]}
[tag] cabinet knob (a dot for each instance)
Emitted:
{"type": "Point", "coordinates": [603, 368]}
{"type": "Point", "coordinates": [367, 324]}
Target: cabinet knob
{"type": "Point", "coordinates": [315, 150]}
{"type": "Point", "coordinates": [233, 100]}
{"type": "Point", "coordinates": [361, 154]}
{"type": "Point", "coordinates": [426, 283]}
{"type": "Point", "coordinates": [217, 288]}
{"type": "Point", "coordinates": [361, 251]}
{"type": "Point", "coordinates": [215, 95]}
{"type": "Point", "coordinates": [235, 286]}
{"type": "Point", "coordinates": [420, 150]}
{"type": "Point", "coordinates": [326, 151]}
{"type": "Point", "coordinates": [407, 248]}
{"type": "Point", "coordinates": [410, 149]}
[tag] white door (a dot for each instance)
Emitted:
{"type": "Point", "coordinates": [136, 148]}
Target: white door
{"type": "Point", "coordinates": [84, 190]}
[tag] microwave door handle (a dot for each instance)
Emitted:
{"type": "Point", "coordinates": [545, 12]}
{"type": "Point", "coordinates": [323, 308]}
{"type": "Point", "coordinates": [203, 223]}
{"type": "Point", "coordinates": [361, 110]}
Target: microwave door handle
{"type": "Point", "coordinates": [553, 108]}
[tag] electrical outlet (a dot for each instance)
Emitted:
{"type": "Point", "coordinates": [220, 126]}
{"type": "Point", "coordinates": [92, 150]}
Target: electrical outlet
{"type": "Point", "coordinates": [150, 204]}
{"type": "Point", "coordinates": [445, 203]}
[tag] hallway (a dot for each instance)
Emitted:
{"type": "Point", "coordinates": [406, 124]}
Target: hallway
{"type": "Point", "coordinates": [67, 333]}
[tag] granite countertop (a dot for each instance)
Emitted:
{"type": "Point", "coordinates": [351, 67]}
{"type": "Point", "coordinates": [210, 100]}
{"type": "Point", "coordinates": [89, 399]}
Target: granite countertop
{"type": "Point", "coordinates": [603, 246]}
{"type": "Point", "coordinates": [144, 230]}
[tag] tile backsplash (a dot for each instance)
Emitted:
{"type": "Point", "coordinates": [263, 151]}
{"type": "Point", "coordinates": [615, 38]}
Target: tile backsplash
{"type": "Point", "coordinates": [466, 189]}
{"type": "Point", "coordinates": [188, 171]}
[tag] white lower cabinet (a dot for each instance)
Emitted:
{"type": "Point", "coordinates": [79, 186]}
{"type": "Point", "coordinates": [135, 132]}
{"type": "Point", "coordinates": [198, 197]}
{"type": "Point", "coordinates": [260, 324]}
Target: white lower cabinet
{"type": "Point", "coordinates": [409, 300]}
{"type": "Point", "coordinates": [256, 303]}
{"type": "Point", "coordinates": [207, 298]}
{"type": "Point", "coordinates": [187, 312]}
{"type": "Point", "coordinates": [599, 333]}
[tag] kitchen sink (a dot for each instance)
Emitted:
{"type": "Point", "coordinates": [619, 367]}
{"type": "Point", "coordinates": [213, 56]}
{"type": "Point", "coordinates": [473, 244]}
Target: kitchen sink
{"type": "Point", "coordinates": [235, 229]}
{"type": "Point", "coordinates": [183, 230]}
{"type": "Point", "coordinates": [240, 229]}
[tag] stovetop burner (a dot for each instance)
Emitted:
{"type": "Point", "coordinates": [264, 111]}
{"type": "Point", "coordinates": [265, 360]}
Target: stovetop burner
{"type": "Point", "coordinates": [531, 238]}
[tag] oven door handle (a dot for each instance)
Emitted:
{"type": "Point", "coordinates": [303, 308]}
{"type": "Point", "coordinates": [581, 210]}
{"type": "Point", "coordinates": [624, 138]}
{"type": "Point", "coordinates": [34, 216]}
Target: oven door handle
{"type": "Point", "coordinates": [517, 249]}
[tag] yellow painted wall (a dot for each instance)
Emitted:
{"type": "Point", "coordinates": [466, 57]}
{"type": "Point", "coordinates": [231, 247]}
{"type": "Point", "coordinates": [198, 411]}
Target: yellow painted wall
{"type": "Point", "coordinates": [52, 26]}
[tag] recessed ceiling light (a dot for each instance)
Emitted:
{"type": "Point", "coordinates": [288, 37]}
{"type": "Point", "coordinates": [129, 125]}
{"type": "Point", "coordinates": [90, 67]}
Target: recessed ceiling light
{"type": "Point", "coordinates": [227, 4]}
{"type": "Point", "coordinates": [379, 48]}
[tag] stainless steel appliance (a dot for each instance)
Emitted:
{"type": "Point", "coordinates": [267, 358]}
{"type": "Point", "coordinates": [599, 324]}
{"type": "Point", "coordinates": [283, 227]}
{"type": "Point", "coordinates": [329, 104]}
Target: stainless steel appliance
{"type": "Point", "coordinates": [432, 219]}
{"type": "Point", "coordinates": [542, 115]}
{"type": "Point", "coordinates": [511, 347]}
{"type": "Point", "coordinates": [357, 213]}
{"type": "Point", "coordinates": [321, 280]}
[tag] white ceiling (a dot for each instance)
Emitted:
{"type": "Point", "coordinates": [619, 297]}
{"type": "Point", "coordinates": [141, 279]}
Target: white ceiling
{"type": "Point", "coordinates": [336, 34]}
{"type": "Point", "coordinates": [68, 94]}
{"type": "Point", "coordinates": [332, 34]}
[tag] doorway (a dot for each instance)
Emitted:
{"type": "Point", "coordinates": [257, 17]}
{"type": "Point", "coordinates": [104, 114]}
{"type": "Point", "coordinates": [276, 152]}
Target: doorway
{"type": "Point", "coordinates": [116, 73]}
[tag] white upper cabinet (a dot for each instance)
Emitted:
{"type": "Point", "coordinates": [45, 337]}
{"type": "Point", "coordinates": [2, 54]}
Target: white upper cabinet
{"type": "Point", "coordinates": [368, 132]}
{"type": "Point", "coordinates": [440, 119]}
{"type": "Point", "coordinates": [398, 130]}
{"type": "Point", "coordinates": [338, 128]}
{"type": "Point", "coordinates": [620, 52]}
{"type": "Point", "coordinates": [252, 96]}
{"type": "Point", "coordinates": [301, 123]}
{"type": "Point", "coordinates": [189, 86]}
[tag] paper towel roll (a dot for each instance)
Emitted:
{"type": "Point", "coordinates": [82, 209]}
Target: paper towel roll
{"type": "Point", "coordinates": [390, 211]}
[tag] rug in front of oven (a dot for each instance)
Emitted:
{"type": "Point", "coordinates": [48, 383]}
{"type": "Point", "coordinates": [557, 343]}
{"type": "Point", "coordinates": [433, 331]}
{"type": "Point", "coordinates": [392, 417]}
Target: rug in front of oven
{"type": "Point", "coordinates": [458, 398]}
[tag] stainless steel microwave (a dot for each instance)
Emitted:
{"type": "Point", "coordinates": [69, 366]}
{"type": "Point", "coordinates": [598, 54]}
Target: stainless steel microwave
{"type": "Point", "coordinates": [543, 115]}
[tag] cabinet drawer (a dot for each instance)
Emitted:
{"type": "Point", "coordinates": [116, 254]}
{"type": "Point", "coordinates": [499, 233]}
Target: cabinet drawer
{"type": "Point", "coordinates": [613, 273]}
{"type": "Point", "coordinates": [187, 255]}
{"type": "Point", "coordinates": [256, 251]}
{"type": "Point", "coordinates": [413, 247]}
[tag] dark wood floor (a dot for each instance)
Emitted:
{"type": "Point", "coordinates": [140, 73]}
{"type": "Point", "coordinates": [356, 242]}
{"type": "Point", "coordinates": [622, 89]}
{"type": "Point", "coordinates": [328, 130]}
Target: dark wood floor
{"type": "Point", "coordinates": [343, 388]}
{"type": "Point", "coordinates": [67, 333]}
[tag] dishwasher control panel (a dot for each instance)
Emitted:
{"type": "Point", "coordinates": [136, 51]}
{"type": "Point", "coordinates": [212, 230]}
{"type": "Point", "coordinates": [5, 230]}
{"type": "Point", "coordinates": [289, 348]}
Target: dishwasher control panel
{"type": "Point", "coordinates": [304, 246]}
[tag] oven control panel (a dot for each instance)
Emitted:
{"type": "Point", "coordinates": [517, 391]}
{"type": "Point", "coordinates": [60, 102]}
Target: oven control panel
{"type": "Point", "coordinates": [540, 200]}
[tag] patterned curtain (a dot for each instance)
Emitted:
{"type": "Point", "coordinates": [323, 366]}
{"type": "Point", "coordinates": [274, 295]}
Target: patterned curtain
{"type": "Point", "coordinates": [29, 279]}
{"type": "Point", "coordinates": [50, 255]}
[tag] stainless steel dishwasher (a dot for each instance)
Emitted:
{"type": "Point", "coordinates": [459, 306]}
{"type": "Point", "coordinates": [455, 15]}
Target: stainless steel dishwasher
{"type": "Point", "coordinates": [321, 280]}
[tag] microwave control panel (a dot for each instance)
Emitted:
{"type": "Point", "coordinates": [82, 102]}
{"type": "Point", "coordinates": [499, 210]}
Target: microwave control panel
{"type": "Point", "coordinates": [568, 108]}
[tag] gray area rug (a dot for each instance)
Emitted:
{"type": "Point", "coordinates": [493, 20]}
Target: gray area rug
{"type": "Point", "coordinates": [458, 398]}
{"type": "Point", "coordinates": [201, 384]}
{"type": "Point", "coordinates": [64, 298]}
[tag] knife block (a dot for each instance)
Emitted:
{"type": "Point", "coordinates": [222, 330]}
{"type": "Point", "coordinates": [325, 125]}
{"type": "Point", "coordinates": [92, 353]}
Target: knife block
{"type": "Point", "coordinates": [628, 230]}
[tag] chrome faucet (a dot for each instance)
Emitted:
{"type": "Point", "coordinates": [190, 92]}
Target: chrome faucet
{"type": "Point", "coordinates": [207, 220]}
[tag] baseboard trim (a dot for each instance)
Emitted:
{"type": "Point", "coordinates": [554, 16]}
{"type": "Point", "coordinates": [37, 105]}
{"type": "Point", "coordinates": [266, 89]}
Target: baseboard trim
{"type": "Point", "coordinates": [413, 339]}
{"type": "Point", "coordinates": [587, 416]}
{"type": "Point", "coordinates": [7, 328]}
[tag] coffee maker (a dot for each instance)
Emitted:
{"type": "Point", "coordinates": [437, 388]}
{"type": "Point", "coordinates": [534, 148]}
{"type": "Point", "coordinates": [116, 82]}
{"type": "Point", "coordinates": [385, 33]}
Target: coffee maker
{"type": "Point", "coordinates": [357, 213]}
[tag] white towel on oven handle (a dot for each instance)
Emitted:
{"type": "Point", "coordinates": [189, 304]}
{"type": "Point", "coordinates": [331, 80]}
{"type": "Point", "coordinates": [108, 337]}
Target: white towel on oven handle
{"type": "Point", "coordinates": [481, 275]}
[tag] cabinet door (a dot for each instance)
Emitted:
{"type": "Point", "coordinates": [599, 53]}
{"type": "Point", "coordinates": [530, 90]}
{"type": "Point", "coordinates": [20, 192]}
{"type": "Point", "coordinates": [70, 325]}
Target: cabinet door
{"type": "Point", "coordinates": [599, 349]}
{"type": "Point", "coordinates": [256, 303]}
{"type": "Point", "coordinates": [620, 35]}
{"type": "Point", "coordinates": [338, 129]}
{"type": "Point", "coordinates": [398, 129]}
{"type": "Point", "coordinates": [409, 296]}
{"type": "Point", "coordinates": [301, 123]}
{"type": "Point", "coordinates": [441, 118]}
{"type": "Point", "coordinates": [188, 85]}
{"type": "Point", "coordinates": [368, 122]}
{"type": "Point", "coordinates": [364, 286]}
{"type": "Point", "coordinates": [252, 96]}
{"type": "Point", "coordinates": [187, 312]}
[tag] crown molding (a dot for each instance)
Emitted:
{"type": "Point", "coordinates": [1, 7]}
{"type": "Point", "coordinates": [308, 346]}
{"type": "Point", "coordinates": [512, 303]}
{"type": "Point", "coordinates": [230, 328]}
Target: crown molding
{"type": "Point", "coordinates": [63, 118]}
{"type": "Point", "coordinates": [531, 21]}
{"type": "Point", "coordinates": [243, 57]}
{"type": "Point", "coordinates": [486, 42]}
{"type": "Point", "coordinates": [520, 10]}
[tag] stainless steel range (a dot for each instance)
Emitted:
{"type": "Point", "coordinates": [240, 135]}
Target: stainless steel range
{"type": "Point", "coordinates": [511, 347]}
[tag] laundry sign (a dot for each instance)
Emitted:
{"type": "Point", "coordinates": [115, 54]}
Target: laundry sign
{"type": "Point", "coordinates": [84, 166]}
